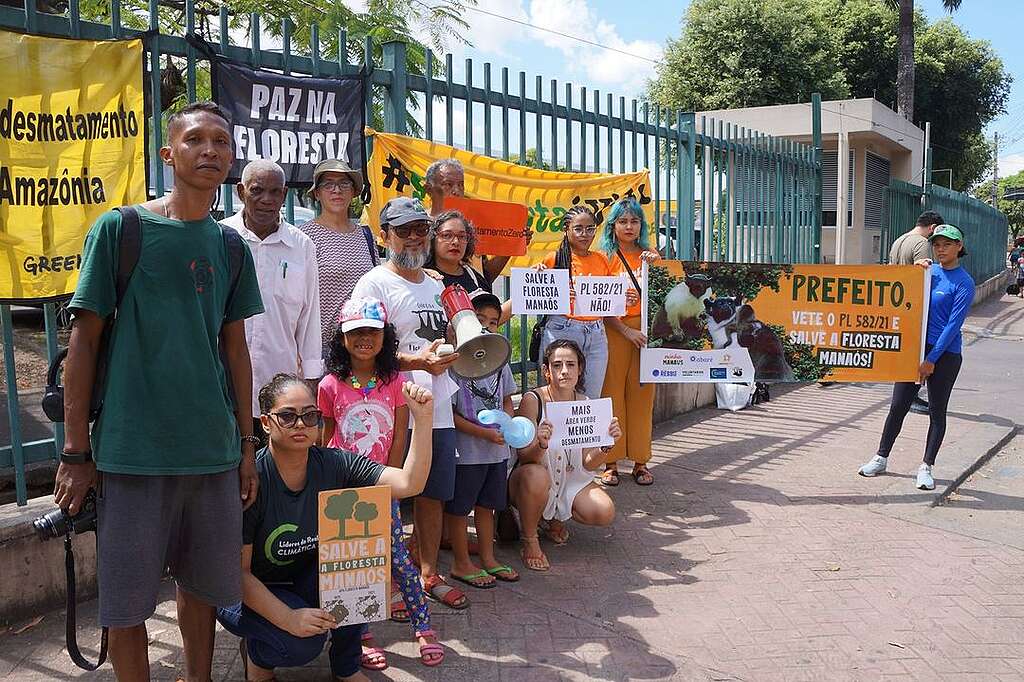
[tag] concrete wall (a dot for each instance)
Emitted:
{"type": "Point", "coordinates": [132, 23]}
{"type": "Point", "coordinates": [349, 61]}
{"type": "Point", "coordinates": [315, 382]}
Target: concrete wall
{"type": "Point", "coordinates": [31, 570]}
{"type": "Point", "coordinates": [672, 400]}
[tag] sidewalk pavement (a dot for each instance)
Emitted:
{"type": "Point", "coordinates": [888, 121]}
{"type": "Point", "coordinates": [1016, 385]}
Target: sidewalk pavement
{"type": "Point", "coordinates": [759, 554]}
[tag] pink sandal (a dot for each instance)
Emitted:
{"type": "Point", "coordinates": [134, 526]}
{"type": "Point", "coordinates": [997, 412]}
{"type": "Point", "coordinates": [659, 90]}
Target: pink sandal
{"type": "Point", "coordinates": [372, 657]}
{"type": "Point", "coordinates": [433, 649]}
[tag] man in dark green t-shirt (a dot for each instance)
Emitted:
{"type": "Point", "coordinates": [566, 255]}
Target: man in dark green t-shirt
{"type": "Point", "coordinates": [174, 450]}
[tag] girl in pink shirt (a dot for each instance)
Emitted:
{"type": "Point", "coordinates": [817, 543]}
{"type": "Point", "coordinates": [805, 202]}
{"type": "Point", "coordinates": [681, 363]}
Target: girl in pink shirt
{"type": "Point", "coordinates": [365, 412]}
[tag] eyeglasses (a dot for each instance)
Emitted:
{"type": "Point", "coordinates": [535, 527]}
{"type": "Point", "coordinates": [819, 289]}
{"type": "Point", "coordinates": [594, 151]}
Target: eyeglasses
{"type": "Point", "coordinates": [336, 185]}
{"type": "Point", "coordinates": [584, 231]}
{"type": "Point", "coordinates": [288, 420]}
{"type": "Point", "coordinates": [452, 237]}
{"type": "Point", "coordinates": [403, 231]}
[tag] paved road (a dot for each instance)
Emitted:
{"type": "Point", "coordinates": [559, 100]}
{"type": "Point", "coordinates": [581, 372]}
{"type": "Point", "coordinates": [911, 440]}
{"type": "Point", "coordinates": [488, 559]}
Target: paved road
{"type": "Point", "coordinates": [758, 555]}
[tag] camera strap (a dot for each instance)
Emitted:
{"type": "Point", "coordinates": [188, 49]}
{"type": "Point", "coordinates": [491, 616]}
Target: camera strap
{"type": "Point", "coordinates": [70, 636]}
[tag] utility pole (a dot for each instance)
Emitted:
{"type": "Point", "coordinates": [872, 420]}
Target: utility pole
{"type": "Point", "coordinates": [995, 172]}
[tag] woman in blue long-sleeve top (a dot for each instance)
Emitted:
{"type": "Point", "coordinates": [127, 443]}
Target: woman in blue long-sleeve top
{"type": "Point", "coordinates": [952, 291]}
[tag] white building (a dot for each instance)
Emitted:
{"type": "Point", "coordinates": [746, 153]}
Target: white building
{"type": "Point", "coordinates": [878, 144]}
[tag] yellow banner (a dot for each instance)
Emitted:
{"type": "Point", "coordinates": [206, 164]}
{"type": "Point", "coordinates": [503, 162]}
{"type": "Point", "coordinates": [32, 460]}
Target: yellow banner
{"type": "Point", "coordinates": [799, 323]}
{"type": "Point", "coordinates": [399, 163]}
{"type": "Point", "coordinates": [72, 145]}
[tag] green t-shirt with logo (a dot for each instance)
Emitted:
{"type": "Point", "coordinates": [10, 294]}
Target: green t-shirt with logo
{"type": "Point", "coordinates": [166, 406]}
{"type": "Point", "coordinates": [282, 524]}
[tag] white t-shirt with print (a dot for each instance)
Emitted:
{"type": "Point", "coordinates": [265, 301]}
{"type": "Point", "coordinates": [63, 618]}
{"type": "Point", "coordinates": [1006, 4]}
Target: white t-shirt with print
{"type": "Point", "coordinates": [415, 310]}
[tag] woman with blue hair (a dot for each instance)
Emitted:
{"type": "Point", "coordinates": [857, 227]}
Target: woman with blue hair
{"type": "Point", "coordinates": [626, 243]}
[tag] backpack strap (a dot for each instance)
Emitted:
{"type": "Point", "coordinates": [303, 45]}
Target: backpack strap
{"type": "Point", "coordinates": [128, 249]}
{"type": "Point", "coordinates": [540, 405]}
{"type": "Point", "coordinates": [235, 248]}
{"type": "Point", "coordinates": [371, 245]}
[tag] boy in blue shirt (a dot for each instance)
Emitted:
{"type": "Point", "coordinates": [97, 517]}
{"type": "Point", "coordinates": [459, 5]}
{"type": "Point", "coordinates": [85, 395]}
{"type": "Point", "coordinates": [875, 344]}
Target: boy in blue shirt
{"type": "Point", "coordinates": [481, 474]}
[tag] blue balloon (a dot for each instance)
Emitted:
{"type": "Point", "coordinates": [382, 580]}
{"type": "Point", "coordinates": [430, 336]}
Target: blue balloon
{"type": "Point", "coordinates": [517, 431]}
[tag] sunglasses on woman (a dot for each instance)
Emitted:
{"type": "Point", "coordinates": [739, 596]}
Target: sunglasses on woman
{"type": "Point", "coordinates": [288, 419]}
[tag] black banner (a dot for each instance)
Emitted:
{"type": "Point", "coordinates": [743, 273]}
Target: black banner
{"type": "Point", "coordinates": [295, 122]}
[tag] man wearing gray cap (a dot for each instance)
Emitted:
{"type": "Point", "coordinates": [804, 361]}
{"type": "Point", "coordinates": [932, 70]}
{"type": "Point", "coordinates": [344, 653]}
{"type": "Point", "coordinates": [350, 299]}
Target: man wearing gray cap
{"type": "Point", "coordinates": [413, 301]}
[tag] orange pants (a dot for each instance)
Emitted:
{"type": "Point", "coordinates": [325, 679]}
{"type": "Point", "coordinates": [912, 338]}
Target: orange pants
{"type": "Point", "coordinates": [632, 402]}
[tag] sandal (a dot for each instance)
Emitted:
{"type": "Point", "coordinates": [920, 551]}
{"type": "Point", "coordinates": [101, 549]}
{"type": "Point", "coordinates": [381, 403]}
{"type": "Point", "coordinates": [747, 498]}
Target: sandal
{"type": "Point", "coordinates": [373, 657]}
{"type": "Point", "coordinates": [431, 653]}
{"type": "Point", "coordinates": [244, 653]}
{"type": "Point", "coordinates": [506, 574]}
{"type": "Point", "coordinates": [609, 477]}
{"type": "Point", "coordinates": [438, 590]}
{"type": "Point", "coordinates": [555, 531]}
{"type": "Point", "coordinates": [642, 475]}
{"type": "Point", "coordinates": [399, 611]}
{"type": "Point", "coordinates": [534, 562]}
{"type": "Point", "coordinates": [477, 580]}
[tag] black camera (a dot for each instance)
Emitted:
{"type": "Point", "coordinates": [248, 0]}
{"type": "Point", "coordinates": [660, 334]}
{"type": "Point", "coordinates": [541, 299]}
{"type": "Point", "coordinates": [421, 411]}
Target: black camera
{"type": "Point", "coordinates": [57, 523]}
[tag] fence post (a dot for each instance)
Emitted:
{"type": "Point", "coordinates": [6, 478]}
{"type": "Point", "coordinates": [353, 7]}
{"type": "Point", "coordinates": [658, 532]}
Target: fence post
{"type": "Point", "coordinates": [394, 106]}
{"type": "Point", "coordinates": [13, 410]}
{"type": "Point", "coordinates": [816, 142]}
{"type": "Point", "coordinates": [686, 169]}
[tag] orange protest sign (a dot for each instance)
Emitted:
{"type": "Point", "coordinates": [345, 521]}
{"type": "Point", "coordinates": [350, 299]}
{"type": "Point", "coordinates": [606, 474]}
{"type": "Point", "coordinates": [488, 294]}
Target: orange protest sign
{"type": "Point", "coordinates": [355, 553]}
{"type": "Point", "coordinates": [500, 225]}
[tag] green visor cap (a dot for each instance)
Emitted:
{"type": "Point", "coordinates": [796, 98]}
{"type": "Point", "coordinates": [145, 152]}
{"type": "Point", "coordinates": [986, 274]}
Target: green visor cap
{"type": "Point", "coordinates": [947, 231]}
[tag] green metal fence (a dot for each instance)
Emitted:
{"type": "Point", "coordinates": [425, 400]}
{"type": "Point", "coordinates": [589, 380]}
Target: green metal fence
{"type": "Point", "coordinates": [759, 197]}
{"type": "Point", "coordinates": [985, 228]}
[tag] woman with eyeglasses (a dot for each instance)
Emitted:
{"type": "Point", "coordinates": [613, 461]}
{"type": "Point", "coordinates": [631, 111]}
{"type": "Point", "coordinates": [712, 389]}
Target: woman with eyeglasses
{"type": "Point", "coordinates": [279, 619]}
{"type": "Point", "coordinates": [345, 250]}
{"type": "Point", "coordinates": [452, 246]}
{"type": "Point", "coordinates": [580, 227]}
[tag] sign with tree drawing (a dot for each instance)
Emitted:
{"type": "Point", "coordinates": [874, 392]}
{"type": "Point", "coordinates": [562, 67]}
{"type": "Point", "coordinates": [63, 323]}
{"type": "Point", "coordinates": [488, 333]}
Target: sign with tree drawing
{"type": "Point", "coordinates": [355, 553]}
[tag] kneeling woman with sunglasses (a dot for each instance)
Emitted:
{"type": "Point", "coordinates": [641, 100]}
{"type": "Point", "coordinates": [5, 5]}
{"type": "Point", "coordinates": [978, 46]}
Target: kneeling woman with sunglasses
{"type": "Point", "coordinates": [279, 619]}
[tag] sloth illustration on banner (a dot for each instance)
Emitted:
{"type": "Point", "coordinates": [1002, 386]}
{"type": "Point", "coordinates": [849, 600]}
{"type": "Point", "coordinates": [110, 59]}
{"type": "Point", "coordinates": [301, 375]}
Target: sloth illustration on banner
{"type": "Point", "coordinates": [398, 165]}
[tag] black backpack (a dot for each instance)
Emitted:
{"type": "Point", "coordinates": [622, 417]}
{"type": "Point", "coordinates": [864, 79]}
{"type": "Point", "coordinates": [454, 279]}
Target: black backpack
{"type": "Point", "coordinates": [128, 250]}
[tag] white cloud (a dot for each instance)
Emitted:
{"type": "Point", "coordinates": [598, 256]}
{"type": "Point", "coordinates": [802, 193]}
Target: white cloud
{"type": "Point", "coordinates": [1013, 163]}
{"type": "Point", "coordinates": [599, 66]}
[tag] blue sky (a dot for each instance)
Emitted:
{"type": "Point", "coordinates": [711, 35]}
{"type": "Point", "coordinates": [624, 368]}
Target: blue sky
{"type": "Point", "coordinates": [643, 33]}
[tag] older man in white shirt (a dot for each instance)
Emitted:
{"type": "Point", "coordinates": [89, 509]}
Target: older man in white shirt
{"type": "Point", "coordinates": [285, 338]}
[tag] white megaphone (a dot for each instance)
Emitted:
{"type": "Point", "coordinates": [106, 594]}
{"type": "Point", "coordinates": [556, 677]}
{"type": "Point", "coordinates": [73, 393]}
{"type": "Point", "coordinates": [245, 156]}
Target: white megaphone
{"type": "Point", "coordinates": [481, 354]}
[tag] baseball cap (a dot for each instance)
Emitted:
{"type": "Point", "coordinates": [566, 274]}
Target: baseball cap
{"type": "Point", "coordinates": [337, 166]}
{"type": "Point", "coordinates": [361, 313]}
{"type": "Point", "coordinates": [485, 298]}
{"type": "Point", "coordinates": [402, 210]}
{"type": "Point", "coordinates": [948, 231]}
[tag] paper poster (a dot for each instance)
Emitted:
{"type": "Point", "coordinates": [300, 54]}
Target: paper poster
{"type": "Point", "coordinates": [580, 423]}
{"type": "Point", "coordinates": [798, 323]}
{"type": "Point", "coordinates": [355, 553]}
{"type": "Point", "coordinates": [544, 292]}
{"type": "Point", "coordinates": [601, 296]}
{"type": "Point", "coordinates": [500, 226]}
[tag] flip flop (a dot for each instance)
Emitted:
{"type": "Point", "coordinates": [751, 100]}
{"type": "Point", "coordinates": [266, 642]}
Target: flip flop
{"type": "Point", "coordinates": [372, 657]}
{"type": "Point", "coordinates": [468, 579]}
{"type": "Point", "coordinates": [436, 589]}
{"type": "Point", "coordinates": [609, 477]}
{"type": "Point", "coordinates": [555, 531]}
{"type": "Point", "coordinates": [432, 649]}
{"type": "Point", "coordinates": [506, 574]}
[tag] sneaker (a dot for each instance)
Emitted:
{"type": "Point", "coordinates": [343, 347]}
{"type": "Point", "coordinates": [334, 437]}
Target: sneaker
{"type": "Point", "coordinates": [874, 467]}
{"type": "Point", "coordinates": [924, 478]}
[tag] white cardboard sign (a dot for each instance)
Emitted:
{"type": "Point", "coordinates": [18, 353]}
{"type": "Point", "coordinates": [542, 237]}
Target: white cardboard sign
{"type": "Point", "coordinates": [544, 292]}
{"type": "Point", "coordinates": [600, 296]}
{"type": "Point", "coordinates": [580, 423]}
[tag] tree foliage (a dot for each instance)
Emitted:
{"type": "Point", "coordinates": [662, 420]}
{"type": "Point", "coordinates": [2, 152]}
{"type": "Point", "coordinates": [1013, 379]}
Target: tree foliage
{"type": "Point", "coordinates": [1014, 210]}
{"type": "Point", "coordinates": [365, 512]}
{"type": "Point", "coordinates": [340, 508]}
{"type": "Point", "coordinates": [739, 53]}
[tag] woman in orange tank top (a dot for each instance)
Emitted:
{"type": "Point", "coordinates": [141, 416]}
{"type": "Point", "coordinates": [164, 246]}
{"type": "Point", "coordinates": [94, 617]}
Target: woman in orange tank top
{"type": "Point", "coordinates": [626, 244]}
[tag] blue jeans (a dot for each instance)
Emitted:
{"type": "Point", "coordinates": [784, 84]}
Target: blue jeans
{"type": "Point", "coordinates": [271, 647]}
{"type": "Point", "coordinates": [591, 339]}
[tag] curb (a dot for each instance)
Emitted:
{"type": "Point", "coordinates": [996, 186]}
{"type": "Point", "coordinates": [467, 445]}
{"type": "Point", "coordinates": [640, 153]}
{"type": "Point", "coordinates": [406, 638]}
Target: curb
{"type": "Point", "coordinates": [941, 498]}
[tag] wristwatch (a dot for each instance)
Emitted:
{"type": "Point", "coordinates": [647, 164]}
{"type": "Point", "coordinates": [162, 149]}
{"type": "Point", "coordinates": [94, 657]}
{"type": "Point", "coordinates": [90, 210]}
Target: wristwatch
{"type": "Point", "coordinates": [255, 440]}
{"type": "Point", "coordinates": [76, 457]}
